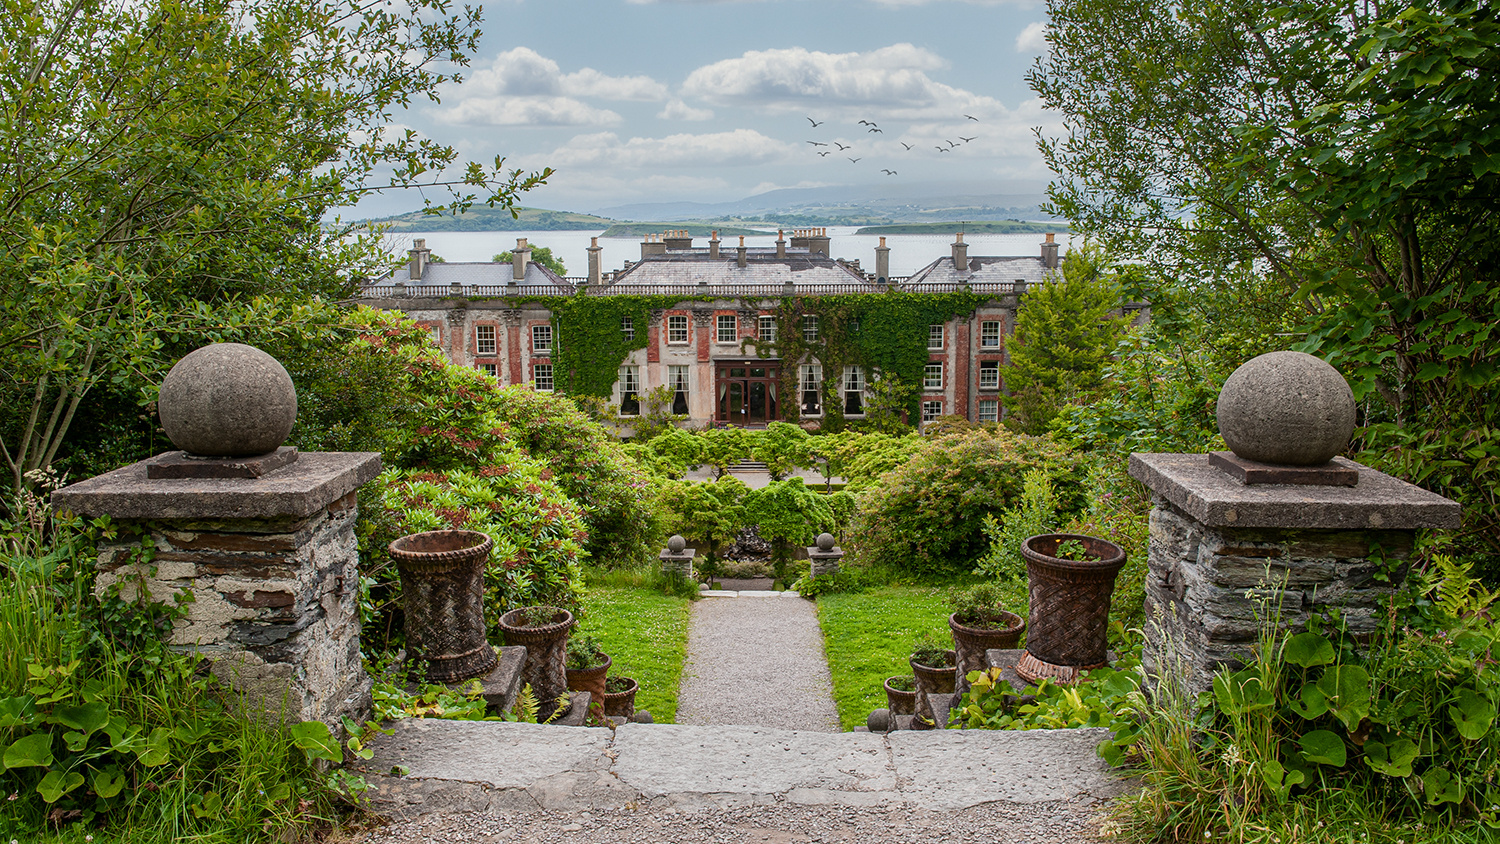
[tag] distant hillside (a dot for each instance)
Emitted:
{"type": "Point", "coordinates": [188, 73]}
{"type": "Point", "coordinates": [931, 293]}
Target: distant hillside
{"type": "Point", "coordinates": [495, 220]}
{"type": "Point", "coordinates": [980, 227]}
{"type": "Point", "coordinates": [693, 229]}
{"type": "Point", "coordinates": [861, 204]}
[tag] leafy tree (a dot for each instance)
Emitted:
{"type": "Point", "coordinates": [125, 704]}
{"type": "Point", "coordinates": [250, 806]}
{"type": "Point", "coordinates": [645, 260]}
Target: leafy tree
{"type": "Point", "coordinates": [710, 512]}
{"type": "Point", "coordinates": [677, 450]}
{"type": "Point", "coordinates": [787, 512]}
{"type": "Point", "coordinates": [656, 413]}
{"type": "Point", "coordinates": [539, 254]}
{"type": "Point", "coordinates": [783, 447]}
{"type": "Point", "coordinates": [724, 447]}
{"type": "Point", "coordinates": [1064, 335]}
{"type": "Point", "coordinates": [165, 160]}
{"type": "Point", "coordinates": [887, 405]}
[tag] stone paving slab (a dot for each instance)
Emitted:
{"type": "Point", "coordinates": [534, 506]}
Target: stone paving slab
{"type": "Point", "coordinates": [457, 766]}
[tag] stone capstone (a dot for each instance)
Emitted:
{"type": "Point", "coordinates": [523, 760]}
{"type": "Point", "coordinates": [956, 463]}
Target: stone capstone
{"type": "Point", "coordinates": [825, 541]}
{"type": "Point", "coordinates": [227, 400]}
{"type": "Point", "coordinates": [1288, 408]}
{"type": "Point", "coordinates": [676, 544]}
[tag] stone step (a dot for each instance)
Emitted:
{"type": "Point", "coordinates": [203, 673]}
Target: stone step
{"type": "Point", "coordinates": [451, 766]}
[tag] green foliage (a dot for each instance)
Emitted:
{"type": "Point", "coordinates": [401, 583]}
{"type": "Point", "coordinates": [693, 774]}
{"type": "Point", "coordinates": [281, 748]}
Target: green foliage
{"type": "Point", "coordinates": [710, 512]}
{"type": "Point", "coordinates": [844, 580]}
{"type": "Point", "coordinates": [235, 133]}
{"type": "Point", "coordinates": [647, 633]}
{"type": "Point", "coordinates": [861, 458]}
{"type": "Point", "coordinates": [584, 652]}
{"type": "Point", "coordinates": [783, 447]}
{"type": "Point", "coordinates": [539, 254]}
{"type": "Point", "coordinates": [591, 343]}
{"type": "Point", "coordinates": [930, 650]}
{"type": "Point", "coordinates": [927, 515]}
{"type": "Point", "coordinates": [979, 605]}
{"type": "Point", "coordinates": [677, 451]}
{"type": "Point", "coordinates": [1064, 335]}
{"type": "Point", "coordinates": [1034, 514]}
{"type": "Point", "coordinates": [1099, 699]}
{"type": "Point", "coordinates": [787, 513]}
{"type": "Point", "coordinates": [724, 447]}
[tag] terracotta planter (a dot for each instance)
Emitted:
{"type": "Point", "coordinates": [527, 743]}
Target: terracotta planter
{"type": "Point", "coordinates": [591, 680]}
{"type": "Point", "coordinates": [621, 704]}
{"type": "Point", "coordinates": [545, 638]}
{"type": "Point", "coordinates": [899, 701]}
{"type": "Point", "coordinates": [931, 680]}
{"type": "Point", "coordinates": [970, 643]}
{"type": "Point", "coordinates": [1068, 631]}
{"type": "Point", "coordinates": [442, 597]}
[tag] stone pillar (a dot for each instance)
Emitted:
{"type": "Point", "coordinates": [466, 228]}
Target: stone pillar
{"type": "Point", "coordinates": [960, 255]}
{"type": "Point", "coordinates": [825, 556]}
{"type": "Point", "coordinates": [677, 558]}
{"type": "Point", "coordinates": [595, 277]}
{"type": "Point", "coordinates": [883, 262]}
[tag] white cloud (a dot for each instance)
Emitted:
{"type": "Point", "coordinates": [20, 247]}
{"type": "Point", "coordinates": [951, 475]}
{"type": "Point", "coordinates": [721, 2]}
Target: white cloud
{"type": "Point", "coordinates": [526, 111]}
{"type": "Point", "coordinates": [890, 82]}
{"type": "Point", "coordinates": [591, 83]}
{"type": "Point", "coordinates": [605, 149]}
{"type": "Point", "coordinates": [679, 110]}
{"type": "Point", "coordinates": [1033, 39]}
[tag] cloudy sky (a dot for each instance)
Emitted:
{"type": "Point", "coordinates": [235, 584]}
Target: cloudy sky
{"type": "Point", "coordinates": [665, 100]}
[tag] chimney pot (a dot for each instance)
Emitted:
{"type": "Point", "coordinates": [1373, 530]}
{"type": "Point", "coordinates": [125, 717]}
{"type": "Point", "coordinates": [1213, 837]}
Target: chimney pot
{"type": "Point", "coordinates": [1049, 252]}
{"type": "Point", "coordinates": [780, 244]}
{"type": "Point", "coordinates": [960, 255]}
{"type": "Point", "coordinates": [740, 259]}
{"type": "Point", "coordinates": [883, 262]}
{"type": "Point", "coordinates": [595, 278]}
{"type": "Point", "coordinates": [417, 259]}
{"type": "Point", "coordinates": [519, 259]}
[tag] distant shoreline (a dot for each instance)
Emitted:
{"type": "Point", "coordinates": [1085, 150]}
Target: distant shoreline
{"type": "Point", "coordinates": [693, 230]}
{"type": "Point", "coordinates": [971, 227]}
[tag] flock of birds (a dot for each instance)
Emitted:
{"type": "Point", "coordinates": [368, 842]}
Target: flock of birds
{"type": "Point", "coordinates": [871, 126]}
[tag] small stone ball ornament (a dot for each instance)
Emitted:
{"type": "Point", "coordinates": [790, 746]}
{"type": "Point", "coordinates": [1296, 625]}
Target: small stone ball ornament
{"type": "Point", "coordinates": [825, 542]}
{"type": "Point", "coordinates": [227, 400]}
{"type": "Point", "coordinates": [1288, 409]}
{"type": "Point", "coordinates": [676, 544]}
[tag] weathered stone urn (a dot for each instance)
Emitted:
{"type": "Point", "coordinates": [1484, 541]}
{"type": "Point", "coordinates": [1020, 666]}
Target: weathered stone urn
{"type": "Point", "coordinates": [442, 599]}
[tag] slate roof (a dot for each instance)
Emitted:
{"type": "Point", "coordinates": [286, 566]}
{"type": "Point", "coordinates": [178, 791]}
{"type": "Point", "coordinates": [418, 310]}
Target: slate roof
{"type": "Point", "coordinates": [538, 279]}
{"type": "Point", "coordinates": [989, 269]}
{"type": "Point", "coordinates": [762, 267]}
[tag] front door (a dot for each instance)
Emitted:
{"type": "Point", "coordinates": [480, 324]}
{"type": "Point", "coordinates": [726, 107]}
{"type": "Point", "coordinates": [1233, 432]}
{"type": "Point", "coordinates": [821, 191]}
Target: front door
{"type": "Point", "coordinates": [747, 392]}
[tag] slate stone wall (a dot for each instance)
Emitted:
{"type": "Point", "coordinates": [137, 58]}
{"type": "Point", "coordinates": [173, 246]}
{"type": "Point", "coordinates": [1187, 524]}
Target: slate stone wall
{"type": "Point", "coordinates": [1208, 588]}
{"type": "Point", "coordinates": [275, 604]}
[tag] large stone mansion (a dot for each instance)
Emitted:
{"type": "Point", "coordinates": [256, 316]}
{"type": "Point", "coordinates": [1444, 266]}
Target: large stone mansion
{"type": "Point", "coordinates": [494, 317]}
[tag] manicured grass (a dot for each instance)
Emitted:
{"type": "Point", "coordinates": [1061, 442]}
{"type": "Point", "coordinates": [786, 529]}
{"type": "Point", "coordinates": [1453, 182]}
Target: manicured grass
{"type": "Point", "coordinates": [868, 637]}
{"type": "Point", "coordinates": [645, 634]}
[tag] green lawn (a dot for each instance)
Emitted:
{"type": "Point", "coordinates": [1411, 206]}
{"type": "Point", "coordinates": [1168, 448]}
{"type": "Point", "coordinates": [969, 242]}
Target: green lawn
{"type": "Point", "coordinates": [645, 634]}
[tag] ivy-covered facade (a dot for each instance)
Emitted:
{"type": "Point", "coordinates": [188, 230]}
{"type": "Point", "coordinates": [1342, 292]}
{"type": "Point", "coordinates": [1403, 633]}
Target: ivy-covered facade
{"type": "Point", "coordinates": [738, 336]}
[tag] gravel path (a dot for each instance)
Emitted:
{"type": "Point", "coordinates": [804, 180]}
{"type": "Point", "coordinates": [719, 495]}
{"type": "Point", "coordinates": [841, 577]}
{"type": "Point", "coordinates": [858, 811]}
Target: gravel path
{"type": "Point", "coordinates": [757, 662]}
{"type": "Point", "coordinates": [1036, 823]}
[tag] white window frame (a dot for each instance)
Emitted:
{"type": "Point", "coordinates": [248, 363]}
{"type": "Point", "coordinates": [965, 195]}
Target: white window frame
{"type": "Point", "coordinates": [485, 345]}
{"type": "Point", "coordinates": [679, 378]}
{"type": "Point", "coordinates": [729, 321]}
{"type": "Point", "coordinates": [931, 410]}
{"type": "Point", "coordinates": [810, 328]}
{"type": "Point", "coordinates": [490, 369]}
{"type": "Point", "coordinates": [989, 375]}
{"type": "Point", "coordinates": [932, 376]}
{"type": "Point", "coordinates": [627, 327]}
{"type": "Point", "coordinates": [541, 339]}
{"type": "Point", "coordinates": [541, 374]}
{"type": "Point", "coordinates": [989, 410]}
{"type": "Point", "coordinates": [854, 382]}
{"type": "Point", "coordinates": [810, 380]}
{"type": "Point", "coordinates": [630, 388]}
{"type": "Point", "coordinates": [989, 334]}
{"type": "Point", "coordinates": [677, 323]}
{"type": "Point", "coordinates": [767, 328]}
{"type": "Point", "coordinates": [935, 336]}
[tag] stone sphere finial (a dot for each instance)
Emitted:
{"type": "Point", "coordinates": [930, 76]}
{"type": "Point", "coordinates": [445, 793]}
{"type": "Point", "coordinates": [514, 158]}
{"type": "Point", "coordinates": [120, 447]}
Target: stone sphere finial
{"type": "Point", "coordinates": [676, 544]}
{"type": "Point", "coordinates": [825, 541]}
{"type": "Point", "coordinates": [1286, 408]}
{"type": "Point", "coordinates": [227, 400]}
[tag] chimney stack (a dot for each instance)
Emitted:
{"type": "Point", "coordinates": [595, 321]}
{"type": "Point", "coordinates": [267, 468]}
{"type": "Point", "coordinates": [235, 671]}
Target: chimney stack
{"type": "Point", "coordinates": [595, 279]}
{"type": "Point", "coordinates": [883, 262]}
{"type": "Point", "coordinates": [960, 255]}
{"type": "Point", "coordinates": [653, 245]}
{"type": "Point", "coordinates": [677, 239]}
{"type": "Point", "coordinates": [780, 243]}
{"type": "Point", "coordinates": [416, 261]}
{"type": "Point", "coordinates": [518, 260]}
{"type": "Point", "coordinates": [1049, 252]}
{"type": "Point", "coordinates": [713, 245]}
{"type": "Point", "coordinates": [741, 260]}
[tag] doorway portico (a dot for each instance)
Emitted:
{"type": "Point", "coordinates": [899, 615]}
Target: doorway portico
{"type": "Point", "coordinates": [747, 391]}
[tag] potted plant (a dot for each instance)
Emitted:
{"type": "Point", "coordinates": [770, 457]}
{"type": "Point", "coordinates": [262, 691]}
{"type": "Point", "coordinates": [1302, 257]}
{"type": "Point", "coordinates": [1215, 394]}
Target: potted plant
{"type": "Point", "coordinates": [979, 624]}
{"type": "Point", "coordinates": [543, 631]}
{"type": "Point", "coordinates": [586, 668]}
{"type": "Point", "coordinates": [442, 598]}
{"type": "Point", "coordinates": [619, 697]}
{"type": "Point", "coordinates": [934, 668]}
{"type": "Point", "coordinates": [901, 694]}
{"type": "Point", "coordinates": [1071, 578]}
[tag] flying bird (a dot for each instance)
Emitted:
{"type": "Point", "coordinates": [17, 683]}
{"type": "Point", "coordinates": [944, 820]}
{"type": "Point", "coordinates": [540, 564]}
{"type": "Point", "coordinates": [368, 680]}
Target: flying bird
{"type": "Point", "coordinates": [828, 152]}
{"type": "Point", "coordinates": [889, 172]}
{"type": "Point", "coordinates": [816, 123]}
{"type": "Point", "coordinates": [966, 140]}
{"type": "Point", "coordinates": [905, 144]}
{"type": "Point", "coordinates": [866, 123]}
{"type": "Point", "coordinates": [950, 144]}
{"type": "Point", "coordinates": [942, 149]}
{"type": "Point", "coordinates": [972, 117]}
{"type": "Point", "coordinates": [816, 144]}
{"type": "Point", "coordinates": [841, 146]}
{"type": "Point", "coordinates": [855, 160]}
{"type": "Point", "coordinates": [881, 131]}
